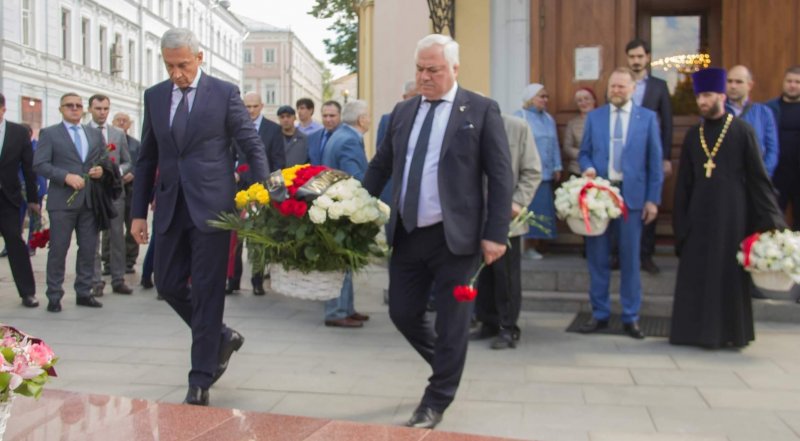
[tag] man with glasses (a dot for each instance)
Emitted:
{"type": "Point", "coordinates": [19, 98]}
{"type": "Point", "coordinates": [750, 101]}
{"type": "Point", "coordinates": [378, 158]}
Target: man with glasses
{"type": "Point", "coordinates": [66, 155]}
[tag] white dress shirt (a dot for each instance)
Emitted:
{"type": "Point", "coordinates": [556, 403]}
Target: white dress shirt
{"type": "Point", "coordinates": [625, 114]}
{"type": "Point", "coordinates": [430, 207]}
{"type": "Point", "coordinates": [177, 95]}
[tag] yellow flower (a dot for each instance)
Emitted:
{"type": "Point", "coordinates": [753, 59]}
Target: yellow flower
{"type": "Point", "coordinates": [263, 197]}
{"type": "Point", "coordinates": [290, 173]}
{"type": "Point", "coordinates": [241, 199]}
{"type": "Point", "coordinates": [254, 189]}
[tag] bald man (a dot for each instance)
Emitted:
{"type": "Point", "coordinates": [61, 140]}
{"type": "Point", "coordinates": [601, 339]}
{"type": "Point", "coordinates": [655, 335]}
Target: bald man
{"type": "Point", "coordinates": [759, 116]}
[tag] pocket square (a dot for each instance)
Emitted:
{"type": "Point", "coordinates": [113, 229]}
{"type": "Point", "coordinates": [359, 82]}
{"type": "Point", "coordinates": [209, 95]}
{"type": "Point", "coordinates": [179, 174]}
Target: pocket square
{"type": "Point", "coordinates": [467, 126]}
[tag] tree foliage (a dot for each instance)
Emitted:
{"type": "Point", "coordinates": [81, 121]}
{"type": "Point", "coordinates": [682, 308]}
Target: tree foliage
{"type": "Point", "coordinates": [344, 47]}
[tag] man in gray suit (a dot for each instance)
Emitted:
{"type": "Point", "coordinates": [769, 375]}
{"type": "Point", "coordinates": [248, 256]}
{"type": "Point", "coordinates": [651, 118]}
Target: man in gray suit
{"type": "Point", "coordinates": [66, 155]}
{"type": "Point", "coordinates": [99, 106]}
{"type": "Point", "coordinates": [122, 121]}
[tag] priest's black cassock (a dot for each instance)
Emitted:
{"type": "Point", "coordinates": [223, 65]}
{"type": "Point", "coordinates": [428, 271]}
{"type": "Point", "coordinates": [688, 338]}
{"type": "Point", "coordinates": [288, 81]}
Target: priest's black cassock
{"type": "Point", "coordinates": [712, 215]}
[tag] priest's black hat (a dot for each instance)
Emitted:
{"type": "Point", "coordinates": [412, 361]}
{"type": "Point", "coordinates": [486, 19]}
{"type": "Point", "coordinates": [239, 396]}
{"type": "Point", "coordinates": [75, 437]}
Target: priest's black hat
{"type": "Point", "coordinates": [712, 79]}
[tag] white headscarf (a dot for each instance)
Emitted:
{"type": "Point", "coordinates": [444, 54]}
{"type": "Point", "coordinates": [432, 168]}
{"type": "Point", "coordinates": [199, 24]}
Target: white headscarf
{"type": "Point", "coordinates": [530, 91]}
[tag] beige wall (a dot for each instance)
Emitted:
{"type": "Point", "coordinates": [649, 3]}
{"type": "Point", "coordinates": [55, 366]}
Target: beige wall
{"type": "Point", "coordinates": [398, 25]}
{"type": "Point", "coordinates": [473, 35]}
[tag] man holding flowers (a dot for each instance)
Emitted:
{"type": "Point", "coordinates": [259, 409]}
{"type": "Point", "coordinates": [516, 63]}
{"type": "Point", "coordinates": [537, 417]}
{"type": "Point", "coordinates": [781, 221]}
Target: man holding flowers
{"type": "Point", "coordinates": [189, 124]}
{"type": "Point", "coordinates": [438, 149]}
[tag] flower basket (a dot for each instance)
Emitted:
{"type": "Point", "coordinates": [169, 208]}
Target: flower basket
{"type": "Point", "coordinates": [578, 226]}
{"type": "Point", "coordinates": [314, 285]}
{"type": "Point", "coordinates": [588, 205]}
{"type": "Point", "coordinates": [772, 280]}
{"type": "Point", "coordinates": [311, 224]}
{"type": "Point", "coordinates": [772, 259]}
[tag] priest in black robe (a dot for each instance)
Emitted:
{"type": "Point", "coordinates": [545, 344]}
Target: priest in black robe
{"type": "Point", "coordinates": [722, 195]}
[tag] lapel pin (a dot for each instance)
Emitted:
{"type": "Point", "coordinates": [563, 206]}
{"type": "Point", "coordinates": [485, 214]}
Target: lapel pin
{"type": "Point", "coordinates": [462, 108]}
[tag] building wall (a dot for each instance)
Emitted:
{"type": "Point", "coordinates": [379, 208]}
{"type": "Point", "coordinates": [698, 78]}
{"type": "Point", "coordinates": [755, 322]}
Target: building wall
{"type": "Point", "coordinates": [473, 34]}
{"type": "Point", "coordinates": [292, 73]}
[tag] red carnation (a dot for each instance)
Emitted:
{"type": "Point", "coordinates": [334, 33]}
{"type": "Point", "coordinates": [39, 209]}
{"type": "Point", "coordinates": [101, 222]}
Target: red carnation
{"type": "Point", "coordinates": [244, 168]}
{"type": "Point", "coordinates": [285, 207]}
{"type": "Point", "coordinates": [112, 147]}
{"type": "Point", "coordinates": [465, 293]}
{"type": "Point", "coordinates": [113, 161]}
{"type": "Point", "coordinates": [39, 239]}
{"type": "Point", "coordinates": [299, 209]}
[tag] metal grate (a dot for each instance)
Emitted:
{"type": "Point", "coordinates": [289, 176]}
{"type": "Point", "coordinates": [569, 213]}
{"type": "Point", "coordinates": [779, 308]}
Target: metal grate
{"type": "Point", "coordinates": [651, 326]}
{"type": "Point", "coordinates": [443, 14]}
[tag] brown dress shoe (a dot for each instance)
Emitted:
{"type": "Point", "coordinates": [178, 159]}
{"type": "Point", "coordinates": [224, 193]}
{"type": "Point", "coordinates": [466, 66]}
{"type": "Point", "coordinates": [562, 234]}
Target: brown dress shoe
{"type": "Point", "coordinates": [358, 316]}
{"type": "Point", "coordinates": [346, 322]}
{"type": "Point", "coordinates": [122, 288]}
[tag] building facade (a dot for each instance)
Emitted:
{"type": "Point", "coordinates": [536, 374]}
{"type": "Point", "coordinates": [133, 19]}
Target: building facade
{"type": "Point", "coordinates": [50, 47]}
{"type": "Point", "coordinates": [279, 67]}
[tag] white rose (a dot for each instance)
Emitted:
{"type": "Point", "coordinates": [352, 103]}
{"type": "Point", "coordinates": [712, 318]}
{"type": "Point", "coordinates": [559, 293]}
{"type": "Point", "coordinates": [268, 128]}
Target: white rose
{"type": "Point", "coordinates": [323, 202]}
{"type": "Point", "coordinates": [349, 206]}
{"type": "Point", "coordinates": [317, 214]}
{"type": "Point", "coordinates": [335, 211]}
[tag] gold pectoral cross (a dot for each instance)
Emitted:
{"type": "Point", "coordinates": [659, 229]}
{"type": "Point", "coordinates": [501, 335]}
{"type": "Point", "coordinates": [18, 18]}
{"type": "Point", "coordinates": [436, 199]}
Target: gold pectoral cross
{"type": "Point", "coordinates": [709, 166]}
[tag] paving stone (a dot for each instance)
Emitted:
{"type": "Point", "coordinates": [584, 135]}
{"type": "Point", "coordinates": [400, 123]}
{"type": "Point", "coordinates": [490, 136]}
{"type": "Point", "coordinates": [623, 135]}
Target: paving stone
{"type": "Point", "coordinates": [751, 399]}
{"type": "Point", "coordinates": [577, 375]}
{"type": "Point", "coordinates": [674, 377]}
{"type": "Point", "coordinates": [736, 424]}
{"type": "Point", "coordinates": [643, 396]}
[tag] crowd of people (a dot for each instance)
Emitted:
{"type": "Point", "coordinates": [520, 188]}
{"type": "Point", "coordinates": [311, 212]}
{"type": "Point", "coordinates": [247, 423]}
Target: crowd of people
{"type": "Point", "coordinates": [439, 143]}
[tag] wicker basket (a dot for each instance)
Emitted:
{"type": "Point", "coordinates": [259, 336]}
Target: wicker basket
{"type": "Point", "coordinates": [578, 227]}
{"type": "Point", "coordinates": [5, 414]}
{"type": "Point", "coordinates": [772, 280]}
{"type": "Point", "coordinates": [316, 285]}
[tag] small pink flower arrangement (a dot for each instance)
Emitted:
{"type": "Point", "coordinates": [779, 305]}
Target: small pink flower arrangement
{"type": "Point", "coordinates": [26, 364]}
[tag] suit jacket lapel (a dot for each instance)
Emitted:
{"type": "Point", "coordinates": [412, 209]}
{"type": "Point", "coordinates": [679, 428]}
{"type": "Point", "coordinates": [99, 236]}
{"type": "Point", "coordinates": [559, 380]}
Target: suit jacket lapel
{"type": "Point", "coordinates": [159, 110]}
{"type": "Point", "coordinates": [69, 143]}
{"type": "Point", "coordinates": [402, 150]}
{"type": "Point", "coordinates": [457, 115]}
{"type": "Point", "coordinates": [201, 96]}
{"type": "Point", "coordinates": [636, 114]}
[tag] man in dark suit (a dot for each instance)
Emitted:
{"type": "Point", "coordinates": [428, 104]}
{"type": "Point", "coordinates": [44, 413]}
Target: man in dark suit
{"type": "Point", "coordinates": [621, 143]}
{"type": "Point", "coordinates": [16, 152]}
{"type": "Point", "coordinates": [295, 142]}
{"type": "Point", "coordinates": [331, 119]}
{"type": "Point", "coordinates": [270, 134]}
{"type": "Point", "coordinates": [439, 149]}
{"type": "Point", "coordinates": [651, 93]}
{"type": "Point", "coordinates": [67, 152]}
{"type": "Point", "coordinates": [190, 122]}
{"type": "Point", "coordinates": [345, 152]}
{"type": "Point", "coordinates": [122, 121]}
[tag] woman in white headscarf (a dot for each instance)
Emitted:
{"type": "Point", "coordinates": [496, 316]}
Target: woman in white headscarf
{"type": "Point", "coordinates": [543, 126]}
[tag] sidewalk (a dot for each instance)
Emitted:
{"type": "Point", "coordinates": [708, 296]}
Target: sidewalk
{"type": "Point", "coordinates": [555, 386]}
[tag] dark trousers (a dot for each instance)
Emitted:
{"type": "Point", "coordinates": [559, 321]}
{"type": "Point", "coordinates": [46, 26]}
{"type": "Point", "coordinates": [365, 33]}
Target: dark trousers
{"type": "Point", "coordinates": [147, 264]}
{"type": "Point", "coordinates": [787, 182]}
{"type": "Point", "coordinates": [500, 290]}
{"type": "Point", "coordinates": [131, 247]}
{"type": "Point", "coordinates": [238, 267]}
{"type": "Point", "coordinates": [185, 252]}
{"type": "Point", "coordinates": [420, 260]}
{"type": "Point", "coordinates": [18, 258]}
{"type": "Point", "coordinates": [648, 245]}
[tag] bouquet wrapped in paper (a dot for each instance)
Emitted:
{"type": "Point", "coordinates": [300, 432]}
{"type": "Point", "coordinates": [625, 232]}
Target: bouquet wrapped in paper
{"type": "Point", "coordinates": [588, 205]}
{"type": "Point", "coordinates": [772, 259]}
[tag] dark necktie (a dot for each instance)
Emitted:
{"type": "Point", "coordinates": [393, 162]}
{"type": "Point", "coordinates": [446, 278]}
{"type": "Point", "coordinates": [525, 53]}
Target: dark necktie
{"type": "Point", "coordinates": [618, 145]}
{"type": "Point", "coordinates": [414, 181]}
{"type": "Point", "coordinates": [181, 118]}
{"type": "Point", "coordinates": [325, 135]}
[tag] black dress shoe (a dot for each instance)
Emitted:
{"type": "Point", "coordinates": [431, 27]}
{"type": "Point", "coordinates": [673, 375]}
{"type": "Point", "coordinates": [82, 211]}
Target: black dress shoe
{"type": "Point", "coordinates": [54, 306]}
{"type": "Point", "coordinates": [89, 301]}
{"type": "Point", "coordinates": [147, 283]}
{"type": "Point", "coordinates": [122, 288]}
{"type": "Point", "coordinates": [226, 348]}
{"type": "Point", "coordinates": [30, 301]}
{"type": "Point", "coordinates": [484, 332]}
{"type": "Point", "coordinates": [424, 418]}
{"type": "Point", "coordinates": [649, 266]}
{"type": "Point", "coordinates": [633, 330]}
{"type": "Point", "coordinates": [258, 290]}
{"type": "Point", "coordinates": [504, 340]}
{"type": "Point", "coordinates": [196, 396]}
{"type": "Point", "coordinates": [593, 325]}
{"type": "Point", "coordinates": [231, 286]}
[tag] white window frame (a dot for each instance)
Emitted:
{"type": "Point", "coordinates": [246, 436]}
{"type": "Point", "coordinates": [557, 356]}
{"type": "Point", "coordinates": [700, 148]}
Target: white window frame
{"type": "Point", "coordinates": [269, 55]}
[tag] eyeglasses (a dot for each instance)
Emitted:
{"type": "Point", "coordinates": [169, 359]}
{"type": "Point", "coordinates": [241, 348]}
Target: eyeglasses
{"type": "Point", "coordinates": [72, 106]}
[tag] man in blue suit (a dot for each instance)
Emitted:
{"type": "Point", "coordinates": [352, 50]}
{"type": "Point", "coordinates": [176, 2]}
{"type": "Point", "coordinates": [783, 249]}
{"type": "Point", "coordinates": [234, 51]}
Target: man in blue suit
{"type": "Point", "coordinates": [621, 143]}
{"type": "Point", "coordinates": [331, 119]}
{"type": "Point", "coordinates": [345, 151]}
{"type": "Point", "coordinates": [190, 122]}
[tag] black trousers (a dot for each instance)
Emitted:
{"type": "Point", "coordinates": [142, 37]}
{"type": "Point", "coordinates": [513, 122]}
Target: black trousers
{"type": "Point", "coordinates": [648, 239]}
{"type": "Point", "coordinates": [420, 260]}
{"type": "Point", "coordinates": [18, 257]}
{"type": "Point", "coordinates": [131, 247]}
{"type": "Point", "coordinates": [185, 252]}
{"type": "Point", "coordinates": [500, 290]}
{"type": "Point", "coordinates": [787, 182]}
{"type": "Point", "coordinates": [256, 280]}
